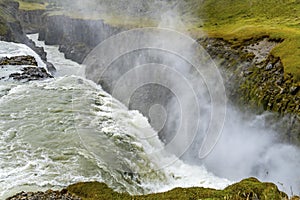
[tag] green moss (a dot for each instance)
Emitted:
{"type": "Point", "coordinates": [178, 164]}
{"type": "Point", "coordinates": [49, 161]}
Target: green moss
{"type": "Point", "coordinates": [96, 190]}
{"type": "Point", "coordinates": [240, 20]}
{"type": "Point", "coordinates": [251, 188]}
{"type": "Point", "coordinates": [248, 56]}
{"type": "Point", "coordinates": [270, 90]}
{"type": "Point", "coordinates": [246, 189]}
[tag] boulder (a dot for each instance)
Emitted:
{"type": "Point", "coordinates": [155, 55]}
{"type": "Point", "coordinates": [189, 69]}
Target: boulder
{"type": "Point", "coordinates": [18, 60]}
{"type": "Point", "coordinates": [30, 74]}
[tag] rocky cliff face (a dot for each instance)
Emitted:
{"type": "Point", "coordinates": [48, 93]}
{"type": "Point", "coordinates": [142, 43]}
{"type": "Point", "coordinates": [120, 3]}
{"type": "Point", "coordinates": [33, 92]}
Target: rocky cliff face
{"type": "Point", "coordinates": [75, 37]}
{"type": "Point", "coordinates": [12, 30]}
{"type": "Point", "coordinates": [255, 81]}
{"type": "Point", "coordinates": [31, 20]}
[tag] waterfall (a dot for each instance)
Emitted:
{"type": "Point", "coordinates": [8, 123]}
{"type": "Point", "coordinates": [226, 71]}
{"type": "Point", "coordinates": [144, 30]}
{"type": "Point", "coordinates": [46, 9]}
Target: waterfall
{"type": "Point", "coordinates": [64, 130]}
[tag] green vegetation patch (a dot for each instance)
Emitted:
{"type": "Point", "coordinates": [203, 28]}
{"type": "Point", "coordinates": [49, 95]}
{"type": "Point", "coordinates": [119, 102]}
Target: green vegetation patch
{"type": "Point", "coordinates": [247, 189]}
{"type": "Point", "coordinates": [32, 4]}
{"type": "Point", "coordinates": [96, 190]}
{"type": "Point", "coordinates": [238, 21]}
{"type": "Point", "coordinates": [120, 21]}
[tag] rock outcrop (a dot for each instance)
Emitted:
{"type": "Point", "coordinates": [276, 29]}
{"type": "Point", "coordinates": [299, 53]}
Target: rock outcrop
{"type": "Point", "coordinates": [76, 37]}
{"type": "Point", "coordinates": [28, 70]}
{"type": "Point", "coordinates": [31, 74]}
{"type": "Point", "coordinates": [18, 60]}
{"type": "Point", "coordinates": [49, 194]}
{"type": "Point", "coordinates": [11, 29]}
{"type": "Point", "coordinates": [254, 80]}
{"type": "Point", "coordinates": [31, 20]}
{"type": "Point", "coordinates": [249, 188]}
{"type": "Point", "coordinates": [257, 82]}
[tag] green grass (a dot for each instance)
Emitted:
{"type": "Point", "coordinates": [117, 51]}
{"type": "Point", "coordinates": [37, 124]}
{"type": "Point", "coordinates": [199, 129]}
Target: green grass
{"type": "Point", "coordinates": [246, 189]}
{"type": "Point", "coordinates": [233, 20]}
{"type": "Point", "coordinates": [240, 20]}
{"type": "Point", "coordinates": [111, 19]}
{"type": "Point", "coordinates": [32, 5]}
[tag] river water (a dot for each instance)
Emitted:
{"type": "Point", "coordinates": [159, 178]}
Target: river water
{"type": "Point", "coordinates": [67, 129]}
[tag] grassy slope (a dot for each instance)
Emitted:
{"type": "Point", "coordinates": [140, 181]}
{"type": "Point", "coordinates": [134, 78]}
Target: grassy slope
{"type": "Point", "coordinates": [115, 19]}
{"type": "Point", "coordinates": [246, 189]}
{"type": "Point", "coordinates": [239, 20]}
{"type": "Point", "coordinates": [236, 21]}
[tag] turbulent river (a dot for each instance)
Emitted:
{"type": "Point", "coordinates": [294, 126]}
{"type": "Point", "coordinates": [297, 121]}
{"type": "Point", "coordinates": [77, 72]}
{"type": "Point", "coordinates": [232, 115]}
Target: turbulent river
{"type": "Point", "coordinates": [68, 129]}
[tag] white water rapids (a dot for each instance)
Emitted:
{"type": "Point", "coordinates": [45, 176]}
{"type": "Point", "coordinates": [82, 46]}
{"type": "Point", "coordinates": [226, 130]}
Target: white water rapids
{"type": "Point", "coordinates": [64, 130]}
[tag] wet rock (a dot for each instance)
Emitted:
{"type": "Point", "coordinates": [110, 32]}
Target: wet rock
{"type": "Point", "coordinates": [14, 24]}
{"type": "Point", "coordinates": [30, 74]}
{"type": "Point", "coordinates": [75, 51]}
{"type": "Point", "coordinates": [50, 67]}
{"type": "Point", "coordinates": [48, 195]}
{"type": "Point", "coordinates": [39, 50]}
{"type": "Point", "coordinates": [269, 66]}
{"type": "Point", "coordinates": [294, 89]}
{"type": "Point", "coordinates": [11, 29]}
{"type": "Point", "coordinates": [75, 37]}
{"type": "Point", "coordinates": [266, 87]}
{"type": "Point", "coordinates": [25, 60]}
{"type": "Point", "coordinates": [31, 20]}
{"type": "Point", "coordinates": [18, 60]}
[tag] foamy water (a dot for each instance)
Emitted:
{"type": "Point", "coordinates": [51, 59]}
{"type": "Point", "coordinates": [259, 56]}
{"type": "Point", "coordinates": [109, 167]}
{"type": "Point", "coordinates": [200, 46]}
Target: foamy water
{"type": "Point", "coordinates": [67, 129]}
{"type": "Point", "coordinates": [64, 130]}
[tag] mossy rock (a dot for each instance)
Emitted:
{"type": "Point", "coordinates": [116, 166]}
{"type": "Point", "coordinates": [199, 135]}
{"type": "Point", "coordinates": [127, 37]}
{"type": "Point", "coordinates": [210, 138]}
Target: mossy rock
{"type": "Point", "coordinates": [249, 188]}
{"type": "Point", "coordinates": [95, 190]}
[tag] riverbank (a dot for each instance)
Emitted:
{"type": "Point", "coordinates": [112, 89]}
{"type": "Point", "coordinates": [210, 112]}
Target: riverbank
{"type": "Point", "coordinates": [257, 77]}
{"type": "Point", "coordinates": [257, 45]}
{"type": "Point", "coordinates": [240, 22]}
{"type": "Point", "coordinates": [242, 68]}
{"type": "Point", "coordinates": [249, 188]}
{"type": "Point", "coordinates": [255, 82]}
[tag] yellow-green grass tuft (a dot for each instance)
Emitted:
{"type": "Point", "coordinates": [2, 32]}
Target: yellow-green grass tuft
{"type": "Point", "coordinates": [25, 5]}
